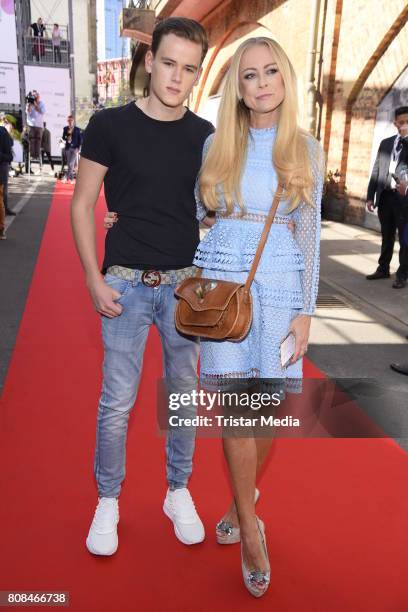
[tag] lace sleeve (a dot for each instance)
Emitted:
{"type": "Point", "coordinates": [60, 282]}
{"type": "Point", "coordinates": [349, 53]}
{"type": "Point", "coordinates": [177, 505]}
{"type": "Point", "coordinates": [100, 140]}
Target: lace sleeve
{"type": "Point", "coordinates": [201, 209]}
{"type": "Point", "coordinates": [307, 232]}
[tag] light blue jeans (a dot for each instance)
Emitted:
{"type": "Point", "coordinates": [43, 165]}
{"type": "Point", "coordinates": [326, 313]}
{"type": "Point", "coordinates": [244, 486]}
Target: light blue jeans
{"type": "Point", "coordinates": [124, 339]}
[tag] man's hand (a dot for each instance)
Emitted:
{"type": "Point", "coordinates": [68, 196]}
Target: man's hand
{"type": "Point", "coordinates": [104, 297]}
{"type": "Point", "coordinates": [402, 187]}
{"type": "Point", "coordinates": [370, 206]}
{"type": "Point", "coordinates": [300, 327]}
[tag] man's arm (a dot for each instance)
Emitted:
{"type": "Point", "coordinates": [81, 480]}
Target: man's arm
{"type": "Point", "coordinates": [373, 182]}
{"type": "Point", "coordinates": [402, 188]}
{"type": "Point", "coordinates": [6, 153]}
{"type": "Point", "coordinates": [39, 106]}
{"type": "Point", "coordinates": [87, 189]}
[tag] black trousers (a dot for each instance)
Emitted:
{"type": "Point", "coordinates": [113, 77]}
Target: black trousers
{"type": "Point", "coordinates": [4, 176]}
{"type": "Point", "coordinates": [35, 135]}
{"type": "Point", "coordinates": [47, 154]}
{"type": "Point", "coordinates": [392, 214]}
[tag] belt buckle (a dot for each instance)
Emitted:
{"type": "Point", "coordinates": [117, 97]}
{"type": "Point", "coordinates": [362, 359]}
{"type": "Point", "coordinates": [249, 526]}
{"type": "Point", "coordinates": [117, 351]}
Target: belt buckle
{"type": "Point", "coordinates": [151, 278]}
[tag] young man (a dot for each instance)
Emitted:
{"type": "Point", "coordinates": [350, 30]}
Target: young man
{"type": "Point", "coordinates": [148, 155]}
{"type": "Point", "coordinates": [392, 158]}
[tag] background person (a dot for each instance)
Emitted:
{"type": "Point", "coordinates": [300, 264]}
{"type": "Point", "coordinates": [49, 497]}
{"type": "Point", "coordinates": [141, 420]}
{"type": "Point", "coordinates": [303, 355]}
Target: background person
{"type": "Point", "coordinates": [46, 145]}
{"type": "Point", "coordinates": [38, 29]}
{"type": "Point", "coordinates": [391, 158]}
{"type": "Point", "coordinates": [56, 43]}
{"type": "Point", "coordinates": [72, 137]}
{"type": "Point", "coordinates": [25, 141]}
{"type": "Point", "coordinates": [6, 157]}
{"type": "Point", "coordinates": [402, 187]}
{"type": "Point", "coordinates": [35, 110]}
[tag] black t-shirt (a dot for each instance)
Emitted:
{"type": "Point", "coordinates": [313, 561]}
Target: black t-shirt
{"type": "Point", "coordinates": [153, 166]}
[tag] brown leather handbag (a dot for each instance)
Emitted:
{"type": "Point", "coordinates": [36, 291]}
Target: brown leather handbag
{"type": "Point", "coordinates": [220, 309]}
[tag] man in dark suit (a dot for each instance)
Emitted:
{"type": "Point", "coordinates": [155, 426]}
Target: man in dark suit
{"type": "Point", "coordinates": [392, 158]}
{"type": "Point", "coordinates": [6, 157]}
{"type": "Point", "coordinates": [402, 188]}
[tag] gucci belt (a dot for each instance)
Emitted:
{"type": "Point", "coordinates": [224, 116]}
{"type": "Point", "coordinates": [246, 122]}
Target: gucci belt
{"type": "Point", "coordinates": [152, 278]}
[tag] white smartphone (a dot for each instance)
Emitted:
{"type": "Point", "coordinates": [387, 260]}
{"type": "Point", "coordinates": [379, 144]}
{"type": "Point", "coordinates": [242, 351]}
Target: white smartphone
{"type": "Point", "coordinates": [287, 349]}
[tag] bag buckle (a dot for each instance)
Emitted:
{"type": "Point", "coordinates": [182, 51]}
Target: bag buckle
{"type": "Point", "coordinates": [200, 290]}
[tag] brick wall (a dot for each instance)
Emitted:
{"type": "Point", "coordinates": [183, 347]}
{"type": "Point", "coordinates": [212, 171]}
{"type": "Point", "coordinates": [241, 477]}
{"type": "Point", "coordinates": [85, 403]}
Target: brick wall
{"type": "Point", "coordinates": [365, 49]}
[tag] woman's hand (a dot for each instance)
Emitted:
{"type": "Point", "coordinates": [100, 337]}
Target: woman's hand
{"type": "Point", "coordinates": [300, 327]}
{"type": "Point", "coordinates": [109, 219]}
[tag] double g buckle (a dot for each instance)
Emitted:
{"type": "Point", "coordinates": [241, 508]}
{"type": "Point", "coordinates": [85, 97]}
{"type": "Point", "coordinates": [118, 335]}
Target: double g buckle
{"type": "Point", "coordinates": [151, 278]}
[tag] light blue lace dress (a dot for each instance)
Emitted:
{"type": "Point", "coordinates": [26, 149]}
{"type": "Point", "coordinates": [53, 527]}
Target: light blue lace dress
{"type": "Point", "coordinates": [286, 281]}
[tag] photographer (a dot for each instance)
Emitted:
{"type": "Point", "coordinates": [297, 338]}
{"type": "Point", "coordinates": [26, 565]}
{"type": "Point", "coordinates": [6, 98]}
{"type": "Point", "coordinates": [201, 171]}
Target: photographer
{"type": "Point", "coordinates": [35, 110]}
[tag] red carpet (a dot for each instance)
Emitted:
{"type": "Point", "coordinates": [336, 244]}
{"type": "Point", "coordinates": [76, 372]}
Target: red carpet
{"type": "Point", "coordinates": [336, 510]}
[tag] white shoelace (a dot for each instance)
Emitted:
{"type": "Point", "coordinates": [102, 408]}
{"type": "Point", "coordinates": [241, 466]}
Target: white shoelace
{"type": "Point", "coordinates": [106, 514]}
{"type": "Point", "coordinates": [183, 505]}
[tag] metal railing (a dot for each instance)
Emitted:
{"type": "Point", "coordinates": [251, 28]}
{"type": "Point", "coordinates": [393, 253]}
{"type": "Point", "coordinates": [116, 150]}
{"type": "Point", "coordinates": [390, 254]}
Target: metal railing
{"type": "Point", "coordinates": [64, 32]}
{"type": "Point", "coordinates": [142, 4]}
{"type": "Point", "coordinates": [39, 50]}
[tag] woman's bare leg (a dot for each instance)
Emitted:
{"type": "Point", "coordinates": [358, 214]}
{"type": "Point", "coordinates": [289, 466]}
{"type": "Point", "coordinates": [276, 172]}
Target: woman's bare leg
{"type": "Point", "coordinates": [242, 459]}
{"type": "Point", "coordinates": [263, 446]}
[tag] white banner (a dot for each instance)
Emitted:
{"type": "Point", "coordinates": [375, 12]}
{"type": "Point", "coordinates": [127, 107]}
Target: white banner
{"type": "Point", "coordinates": [54, 87]}
{"type": "Point", "coordinates": [9, 84]}
{"type": "Point", "coordinates": [8, 36]}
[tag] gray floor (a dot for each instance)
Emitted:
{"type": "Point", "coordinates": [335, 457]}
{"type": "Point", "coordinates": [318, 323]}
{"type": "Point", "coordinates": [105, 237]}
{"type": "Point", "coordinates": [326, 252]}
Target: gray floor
{"type": "Point", "coordinates": [367, 331]}
{"type": "Point", "coordinates": [18, 256]}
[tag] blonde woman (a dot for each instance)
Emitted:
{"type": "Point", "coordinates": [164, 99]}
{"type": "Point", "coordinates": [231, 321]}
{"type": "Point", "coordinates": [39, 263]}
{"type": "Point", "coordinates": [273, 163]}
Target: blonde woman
{"type": "Point", "coordinates": [257, 146]}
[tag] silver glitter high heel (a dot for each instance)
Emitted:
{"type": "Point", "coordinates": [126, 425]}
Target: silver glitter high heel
{"type": "Point", "coordinates": [257, 581]}
{"type": "Point", "coordinates": [226, 533]}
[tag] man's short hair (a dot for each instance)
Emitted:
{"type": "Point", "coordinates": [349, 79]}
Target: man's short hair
{"type": "Point", "coordinates": [70, 117]}
{"type": "Point", "coordinates": [182, 27]}
{"type": "Point", "coordinates": [401, 110]}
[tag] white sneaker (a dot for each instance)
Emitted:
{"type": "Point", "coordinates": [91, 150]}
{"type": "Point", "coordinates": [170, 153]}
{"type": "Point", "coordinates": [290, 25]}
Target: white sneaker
{"type": "Point", "coordinates": [180, 509]}
{"type": "Point", "coordinates": [103, 534]}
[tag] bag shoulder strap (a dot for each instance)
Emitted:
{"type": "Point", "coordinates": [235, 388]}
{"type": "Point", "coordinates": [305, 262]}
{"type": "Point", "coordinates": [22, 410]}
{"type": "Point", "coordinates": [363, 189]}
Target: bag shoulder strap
{"type": "Point", "coordinates": [264, 236]}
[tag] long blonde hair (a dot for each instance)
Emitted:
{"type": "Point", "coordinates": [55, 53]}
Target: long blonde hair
{"type": "Point", "coordinates": [222, 168]}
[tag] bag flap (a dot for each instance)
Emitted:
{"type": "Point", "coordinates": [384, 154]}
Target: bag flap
{"type": "Point", "coordinates": [206, 293]}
